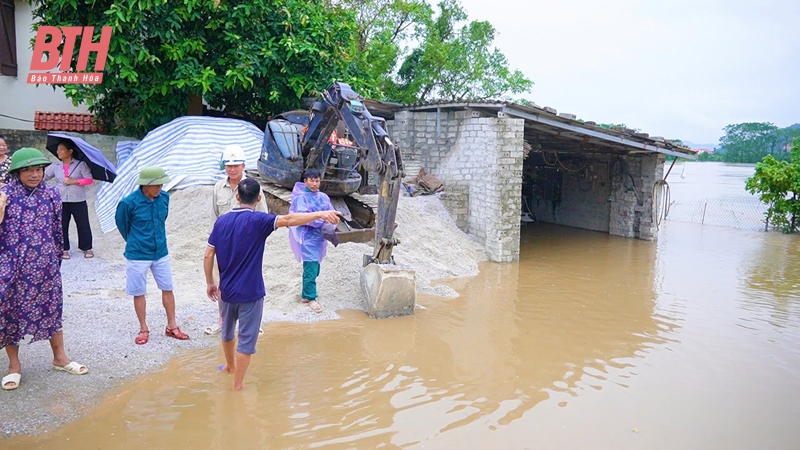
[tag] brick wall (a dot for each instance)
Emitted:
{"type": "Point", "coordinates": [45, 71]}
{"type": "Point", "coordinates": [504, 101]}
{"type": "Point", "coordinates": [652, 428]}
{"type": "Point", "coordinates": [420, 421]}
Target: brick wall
{"type": "Point", "coordinates": [613, 194]}
{"type": "Point", "coordinates": [584, 197]}
{"type": "Point", "coordinates": [479, 156]}
{"type": "Point", "coordinates": [480, 162]}
{"type": "Point", "coordinates": [631, 198]}
{"type": "Point", "coordinates": [456, 199]}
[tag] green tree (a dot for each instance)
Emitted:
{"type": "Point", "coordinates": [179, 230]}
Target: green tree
{"type": "Point", "coordinates": [384, 30]}
{"type": "Point", "coordinates": [749, 142]}
{"type": "Point", "coordinates": [455, 60]}
{"type": "Point", "coordinates": [777, 184]}
{"type": "Point", "coordinates": [247, 58]}
{"type": "Point", "coordinates": [709, 157]}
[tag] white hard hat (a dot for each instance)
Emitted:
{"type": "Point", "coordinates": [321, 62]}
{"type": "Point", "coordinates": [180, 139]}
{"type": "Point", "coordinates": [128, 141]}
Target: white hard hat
{"type": "Point", "coordinates": [233, 155]}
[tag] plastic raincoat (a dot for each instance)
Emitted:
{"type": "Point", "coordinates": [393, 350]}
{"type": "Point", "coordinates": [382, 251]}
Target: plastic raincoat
{"type": "Point", "coordinates": [308, 242]}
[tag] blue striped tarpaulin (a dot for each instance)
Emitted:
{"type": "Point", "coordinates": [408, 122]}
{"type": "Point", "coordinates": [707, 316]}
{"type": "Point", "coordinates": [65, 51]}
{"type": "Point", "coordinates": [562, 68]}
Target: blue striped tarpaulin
{"type": "Point", "coordinates": [124, 150]}
{"type": "Point", "coordinates": [188, 149]}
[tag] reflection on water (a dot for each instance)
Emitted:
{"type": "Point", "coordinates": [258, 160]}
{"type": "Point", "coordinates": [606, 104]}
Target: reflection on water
{"type": "Point", "coordinates": [772, 284]}
{"type": "Point", "coordinates": [589, 341]}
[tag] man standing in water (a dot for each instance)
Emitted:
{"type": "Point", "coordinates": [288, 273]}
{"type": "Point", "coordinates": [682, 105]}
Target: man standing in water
{"type": "Point", "coordinates": [224, 199]}
{"type": "Point", "coordinates": [237, 244]}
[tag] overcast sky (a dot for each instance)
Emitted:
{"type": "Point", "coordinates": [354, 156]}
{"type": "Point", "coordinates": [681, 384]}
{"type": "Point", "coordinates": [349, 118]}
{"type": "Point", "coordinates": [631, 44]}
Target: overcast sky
{"type": "Point", "coordinates": [674, 68]}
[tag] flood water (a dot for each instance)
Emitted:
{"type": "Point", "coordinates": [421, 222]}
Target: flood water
{"type": "Point", "coordinates": [692, 180]}
{"type": "Point", "coordinates": [590, 341]}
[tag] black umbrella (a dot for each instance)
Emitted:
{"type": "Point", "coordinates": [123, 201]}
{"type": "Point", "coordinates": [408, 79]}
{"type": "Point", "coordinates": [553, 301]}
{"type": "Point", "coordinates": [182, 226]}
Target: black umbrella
{"type": "Point", "coordinates": [102, 169]}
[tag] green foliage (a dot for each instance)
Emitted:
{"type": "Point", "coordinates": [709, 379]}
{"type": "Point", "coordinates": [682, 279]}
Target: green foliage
{"type": "Point", "coordinates": [618, 127]}
{"type": "Point", "coordinates": [777, 184]}
{"type": "Point", "coordinates": [253, 59]}
{"type": "Point", "coordinates": [384, 27]}
{"type": "Point", "coordinates": [527, 102]}
{"type": "Point", "coordinates": [456, 60]}
{"type": "Point", "coordinates": [749, 142]}
{"type": "Point", "coordinates": [710, 157]}
{"type": "Point", "coordinates": [248, 58]}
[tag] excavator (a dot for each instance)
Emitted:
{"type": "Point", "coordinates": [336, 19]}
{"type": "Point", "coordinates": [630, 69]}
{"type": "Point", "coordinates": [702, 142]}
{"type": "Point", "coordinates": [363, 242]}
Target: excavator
{"type": "Point", "coordinates": [340, 138]}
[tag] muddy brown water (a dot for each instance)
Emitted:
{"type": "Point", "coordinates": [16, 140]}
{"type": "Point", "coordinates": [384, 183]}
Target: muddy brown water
{"type": "Point", "coordinates": [590, 341]}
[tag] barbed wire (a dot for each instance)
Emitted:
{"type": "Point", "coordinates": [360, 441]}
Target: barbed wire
{"type": "Point", "coordinates": [748, 214]}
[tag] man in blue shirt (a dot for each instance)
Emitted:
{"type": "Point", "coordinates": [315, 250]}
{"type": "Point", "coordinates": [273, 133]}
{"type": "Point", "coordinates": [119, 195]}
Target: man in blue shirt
{"type": "Point", "coordinates": [237, 242]}
{"type": "Point", "coordinates": [141, 220]}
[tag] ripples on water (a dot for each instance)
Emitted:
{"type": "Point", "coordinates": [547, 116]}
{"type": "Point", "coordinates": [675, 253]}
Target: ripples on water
{"type": "Point", "coordinates": [590, 341]}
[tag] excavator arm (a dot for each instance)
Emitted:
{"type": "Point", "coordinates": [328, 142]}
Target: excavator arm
{"type": "Point", "coordinates": [390, 288]}
{"type": "Point", "coordinates": [341, 105]}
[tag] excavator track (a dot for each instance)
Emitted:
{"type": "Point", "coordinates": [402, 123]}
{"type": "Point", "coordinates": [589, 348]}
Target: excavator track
{"type": "Point", "coordinates": [359, 217]}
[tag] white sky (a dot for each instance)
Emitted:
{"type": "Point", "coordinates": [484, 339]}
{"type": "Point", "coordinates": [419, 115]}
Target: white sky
{"type": "Point", "coordinates": [675, 68]}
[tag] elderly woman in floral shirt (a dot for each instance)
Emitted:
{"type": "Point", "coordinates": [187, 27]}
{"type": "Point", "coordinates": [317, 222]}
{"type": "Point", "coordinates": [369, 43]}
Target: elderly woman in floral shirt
{"type": "Point", "coordinates": [31, 297]}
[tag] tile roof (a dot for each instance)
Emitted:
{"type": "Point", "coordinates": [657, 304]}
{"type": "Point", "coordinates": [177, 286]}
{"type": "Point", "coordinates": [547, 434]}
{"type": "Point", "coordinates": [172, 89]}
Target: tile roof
{"type": "Point", "coordinates": [63, 121]}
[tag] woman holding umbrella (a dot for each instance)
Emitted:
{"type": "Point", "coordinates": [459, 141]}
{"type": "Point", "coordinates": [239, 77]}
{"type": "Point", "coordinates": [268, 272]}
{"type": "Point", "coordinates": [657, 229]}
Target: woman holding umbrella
{"type": "Point", "coordinates": [72, 176]}
{"type": "Point", "coordinates": [31, 297]}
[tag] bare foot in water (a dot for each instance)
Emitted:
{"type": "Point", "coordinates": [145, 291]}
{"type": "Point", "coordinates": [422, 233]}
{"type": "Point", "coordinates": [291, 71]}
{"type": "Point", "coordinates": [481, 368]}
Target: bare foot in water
{"type": "Point", "coordinates": [228, 369]}
{"type": "Point", "coordinates": [237, 388]}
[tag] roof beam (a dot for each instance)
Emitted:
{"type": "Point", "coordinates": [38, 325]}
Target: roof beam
{"type": "Point", "coordinates": [597, 134]}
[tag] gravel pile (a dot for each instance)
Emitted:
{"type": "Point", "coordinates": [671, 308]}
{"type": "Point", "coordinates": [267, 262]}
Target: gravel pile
{"type": "Point", "coordinates": [100, 324]}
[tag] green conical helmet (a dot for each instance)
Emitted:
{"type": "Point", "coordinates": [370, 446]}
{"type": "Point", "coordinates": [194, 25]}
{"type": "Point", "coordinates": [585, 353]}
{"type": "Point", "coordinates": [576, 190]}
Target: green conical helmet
{"type": "Point", "coordinates": [27, 157]}
{"type": "Point", "coordinates": [152, 176]}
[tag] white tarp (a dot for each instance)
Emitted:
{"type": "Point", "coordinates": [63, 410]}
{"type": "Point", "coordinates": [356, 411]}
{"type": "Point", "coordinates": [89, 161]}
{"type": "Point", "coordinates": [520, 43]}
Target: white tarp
{"type": "Point", "coordinates": [188, 149]}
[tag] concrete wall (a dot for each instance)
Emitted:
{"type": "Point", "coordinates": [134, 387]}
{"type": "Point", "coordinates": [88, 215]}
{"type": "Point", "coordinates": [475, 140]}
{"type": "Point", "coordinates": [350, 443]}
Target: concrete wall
{"type": "Point", "coordinates": [20, 99]}
{"type": "Point", "coordinates": [481, 156]}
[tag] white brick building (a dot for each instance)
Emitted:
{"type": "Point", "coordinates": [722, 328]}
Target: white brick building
{"type": "Point", "coordinates": [499, 159]}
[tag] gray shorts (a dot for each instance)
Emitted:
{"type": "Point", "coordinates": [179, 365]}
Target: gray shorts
{"type": "Point", "coordinates": [136, 280]}
{"type": "Point", "coordinates": [249, 317]}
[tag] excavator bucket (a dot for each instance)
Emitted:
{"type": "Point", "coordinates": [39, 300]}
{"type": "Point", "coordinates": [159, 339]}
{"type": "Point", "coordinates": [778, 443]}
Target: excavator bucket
{"type": "Point", "coordinates": [390, 290]}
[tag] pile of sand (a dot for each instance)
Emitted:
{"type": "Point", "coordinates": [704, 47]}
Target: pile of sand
{"type": "Point", "coordinates": [430, 242]}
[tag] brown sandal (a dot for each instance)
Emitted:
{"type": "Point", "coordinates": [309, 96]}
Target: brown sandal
{"type": "Point", "coordinates": [177, 334]}
{"type": "Point", "coordinates": [65, 255]}
{"type": "Point", "coordinates": [143, 337]}
{"type": "Point", "coordinates": [88, 254]}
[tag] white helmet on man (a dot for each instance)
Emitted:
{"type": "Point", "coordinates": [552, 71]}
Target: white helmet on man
{"type": "Point", "coordinates": [233, 155]}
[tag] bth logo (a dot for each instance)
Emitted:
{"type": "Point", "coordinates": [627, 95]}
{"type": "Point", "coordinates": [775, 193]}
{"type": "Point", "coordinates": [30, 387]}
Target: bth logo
{"type": "Point", "coordinates": [68, 36]}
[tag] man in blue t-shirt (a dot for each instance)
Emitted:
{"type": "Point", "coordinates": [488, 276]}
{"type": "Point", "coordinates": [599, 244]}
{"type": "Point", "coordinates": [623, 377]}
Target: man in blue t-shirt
{"type": "Point", "coordinates": [237, 242]}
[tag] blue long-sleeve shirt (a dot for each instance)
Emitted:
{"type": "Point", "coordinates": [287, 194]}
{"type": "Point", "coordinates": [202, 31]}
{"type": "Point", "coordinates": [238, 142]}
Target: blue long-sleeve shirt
{"type": "Point", "coordinates": [142, 223]}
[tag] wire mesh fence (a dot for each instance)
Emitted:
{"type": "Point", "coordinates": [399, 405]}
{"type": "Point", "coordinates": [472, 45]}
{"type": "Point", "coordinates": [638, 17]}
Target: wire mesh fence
{"type": "Point", "coordinates": [748, 214]}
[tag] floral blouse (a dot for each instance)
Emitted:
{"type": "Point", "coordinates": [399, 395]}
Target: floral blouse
{"type": "Point", "coordinates": [4, 166]}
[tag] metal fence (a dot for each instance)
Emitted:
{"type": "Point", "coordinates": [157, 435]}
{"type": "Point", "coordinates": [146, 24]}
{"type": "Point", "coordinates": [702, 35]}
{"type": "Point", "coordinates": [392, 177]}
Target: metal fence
{"type": "Point", "coordinates": [743, 213]}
